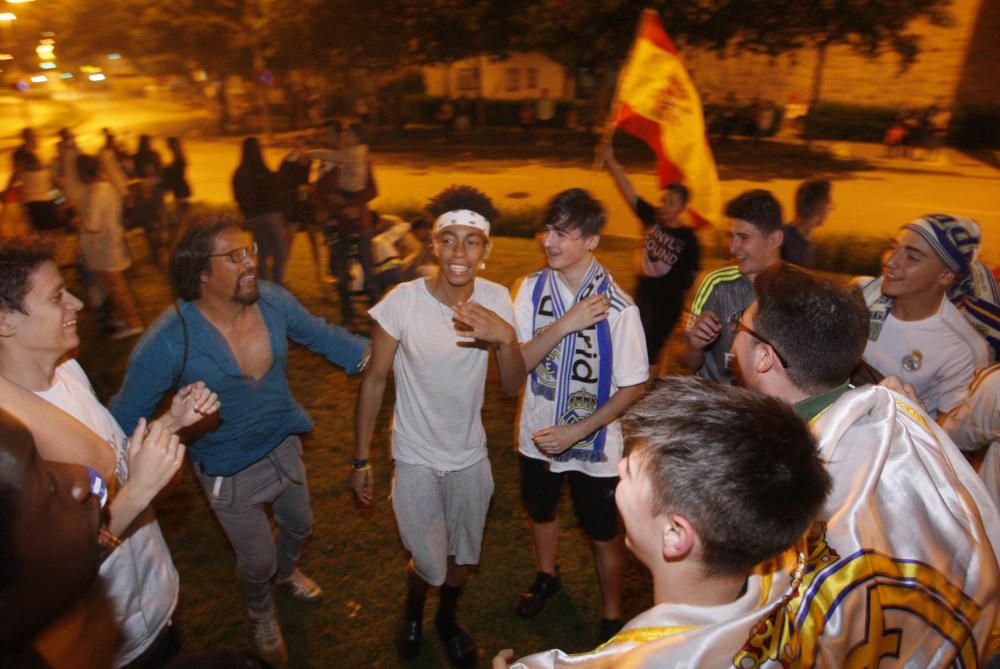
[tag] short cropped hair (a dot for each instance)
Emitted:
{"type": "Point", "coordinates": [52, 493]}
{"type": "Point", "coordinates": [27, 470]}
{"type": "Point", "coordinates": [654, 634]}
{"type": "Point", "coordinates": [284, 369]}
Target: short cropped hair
{"type": "Point", "coordinates": [741, 467]}
{"type": "Point", "coordinates": [19, 258]}
{"type": "Point", "coordinates": [820, 328]}
{"type": "Point", "coordinates": [759, 208]}
{"type": "Point", "coordinates": [574, 209]}
{"type": "Point", "coordinates": [454, 198]}
{"type": "Point", "coordinates": [810, 196]}
{"type": "Point", "coordinates": [191, 257]}
{"type": "Point", "coordinates": [682, 191]}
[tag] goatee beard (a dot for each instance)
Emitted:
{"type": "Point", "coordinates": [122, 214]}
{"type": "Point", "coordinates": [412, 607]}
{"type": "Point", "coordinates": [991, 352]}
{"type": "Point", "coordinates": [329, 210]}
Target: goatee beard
{"type": "Point", "coordinates": [246, 296]}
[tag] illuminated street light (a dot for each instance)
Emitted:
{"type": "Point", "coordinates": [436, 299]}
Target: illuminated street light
{"type": "Point", "coordinates": [7, 16]}
{"type": "Point", "coordinates": [15, 2]}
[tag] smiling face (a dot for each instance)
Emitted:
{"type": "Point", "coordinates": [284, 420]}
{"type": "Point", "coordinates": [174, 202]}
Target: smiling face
{"type": "Point", "coordinates": [55, 526]}
{"type": "Point", "coordinates": [229, 280]}
{"type": "Point", "coordinates": [568, 250]}
{"type": "Point", "coordinates": [910, 268]}
{"type": "Point", "coordinates": [47, 326]}
{"type": "Point", "coordinates": [753, 250]}
{"type": "Point", "coordinates": [460, 250]}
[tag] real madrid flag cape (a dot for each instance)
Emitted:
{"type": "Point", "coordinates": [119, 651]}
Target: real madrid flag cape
{"type": "Point", "coordinates": [899, 571]}
{"type": "Point", "coordinates": [576, 375]}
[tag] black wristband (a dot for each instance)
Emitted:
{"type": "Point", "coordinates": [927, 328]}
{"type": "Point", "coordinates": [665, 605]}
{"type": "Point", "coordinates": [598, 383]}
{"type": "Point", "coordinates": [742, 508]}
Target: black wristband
{"type": "Point", "coordinates": [358, 465]}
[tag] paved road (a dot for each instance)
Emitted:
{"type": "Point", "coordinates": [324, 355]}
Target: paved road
{"type": "Point", "coordinates": [872, 202]}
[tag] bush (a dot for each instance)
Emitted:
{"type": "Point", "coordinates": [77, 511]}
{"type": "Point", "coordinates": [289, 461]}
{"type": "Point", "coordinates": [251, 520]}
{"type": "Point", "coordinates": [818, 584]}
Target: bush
{"type": "Point", "coordinates": [859, 123]}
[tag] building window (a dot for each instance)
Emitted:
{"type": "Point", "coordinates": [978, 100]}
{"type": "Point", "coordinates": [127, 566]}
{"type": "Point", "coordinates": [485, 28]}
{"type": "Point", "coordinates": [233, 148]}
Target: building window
{"type": "Point", "coordinates": [531, 77]}
{"type": "Point", "coordinates": [468, 79]}
{"type": "Point", "coordinates": [512, 78]}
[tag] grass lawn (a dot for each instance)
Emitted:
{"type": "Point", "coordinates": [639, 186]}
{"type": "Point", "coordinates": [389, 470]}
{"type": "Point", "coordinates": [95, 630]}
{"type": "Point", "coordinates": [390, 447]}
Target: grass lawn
{"type": "Point", "coordinates": [355, 553]}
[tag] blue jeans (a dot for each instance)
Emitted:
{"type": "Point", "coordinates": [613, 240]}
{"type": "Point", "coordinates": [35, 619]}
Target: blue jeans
{"type": "Point", "coordinates": [240, 503]}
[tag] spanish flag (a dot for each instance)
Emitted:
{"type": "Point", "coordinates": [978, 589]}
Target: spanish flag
{"type": "Point", "coordinates": [657, 102]}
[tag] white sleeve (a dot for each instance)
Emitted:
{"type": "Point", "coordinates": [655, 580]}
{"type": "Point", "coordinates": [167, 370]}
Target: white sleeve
{"type": "Point", "coordinates": [390, 312]}
{"type": "Point", "coordinates": [631, 365]}
{"type": "Point", "coordinates": [976, 422]}
{"type": "Point", "coordinates": [523, 317]}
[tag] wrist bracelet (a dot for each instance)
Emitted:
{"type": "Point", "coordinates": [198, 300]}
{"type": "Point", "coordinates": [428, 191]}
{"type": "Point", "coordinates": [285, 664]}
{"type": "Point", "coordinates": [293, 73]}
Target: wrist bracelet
{"type": "Point", "coordinates": [359, 465]}
{"type": "Point", "coordinates": [366, 468]}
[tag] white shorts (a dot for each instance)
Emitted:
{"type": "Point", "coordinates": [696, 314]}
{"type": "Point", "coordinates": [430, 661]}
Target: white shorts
{"type": "Point", "coordinates": [441, 514]}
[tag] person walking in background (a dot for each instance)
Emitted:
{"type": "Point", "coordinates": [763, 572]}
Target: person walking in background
{"type": "Point", "coordinates": [812, 205]}
{"type": "Point", "coordinates": [176, 183]}
{"type": "Point", "coordinates": [299, 212]}
{"type": "Point", "coordinates": [257, 191]}
{"type": "Point", "coordinates": [104, 248]}
{"type": "Point", "coordinates": [149, 210]}
{"type": "Point", "coordinates": [669, 258]}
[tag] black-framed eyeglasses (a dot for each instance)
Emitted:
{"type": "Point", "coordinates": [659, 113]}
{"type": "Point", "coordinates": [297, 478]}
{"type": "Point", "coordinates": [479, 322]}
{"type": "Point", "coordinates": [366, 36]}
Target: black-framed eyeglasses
{"type": "Point", "coordinates": [736, 324]}
{"type": "Point", "coordinates": [237, 255]}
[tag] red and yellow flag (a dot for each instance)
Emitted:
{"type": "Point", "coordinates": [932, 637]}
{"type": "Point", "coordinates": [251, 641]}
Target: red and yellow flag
{"type": "Point", "coordinates": [657, 102]}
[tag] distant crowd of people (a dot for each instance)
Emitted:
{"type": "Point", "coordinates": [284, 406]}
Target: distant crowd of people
{"type": "Point", "coordinates": [800, 497]}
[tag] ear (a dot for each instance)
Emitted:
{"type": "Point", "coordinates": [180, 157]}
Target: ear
{"type": "Point", "coordinates": [776, 238]}
{"type": "Point", "coordinates": [592, 242]}
{"type": "Point", "coordinates": [764, 358]}
{"type": "Point", "coordinates": [678, 537]}
{"type": "Point", "coordinates": [946, 278]}
{"type": "Point", "coordinates": [489, 247]}
{"type": "Point", "coordinates": [8, 324]}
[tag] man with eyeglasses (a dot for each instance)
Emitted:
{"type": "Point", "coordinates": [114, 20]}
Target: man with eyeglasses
{"type": "Point", "coordinates": [232, 331]}
{"type": "Point", "coordinates": [907, 521]}
{"type": "Point", "coordinates": [755, 245]}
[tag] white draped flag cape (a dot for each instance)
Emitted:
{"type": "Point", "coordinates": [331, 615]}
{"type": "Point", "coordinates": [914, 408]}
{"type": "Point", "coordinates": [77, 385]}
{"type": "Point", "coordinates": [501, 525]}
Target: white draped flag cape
{"type": "Point", "coordinates": [899, 571]}
{"type": "Point", "coordinates": [657, 102]}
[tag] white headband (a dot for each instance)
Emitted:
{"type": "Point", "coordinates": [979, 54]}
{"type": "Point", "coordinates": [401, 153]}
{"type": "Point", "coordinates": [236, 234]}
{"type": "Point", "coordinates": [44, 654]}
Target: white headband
{"type": "Point", "coordinates": [462, 217]}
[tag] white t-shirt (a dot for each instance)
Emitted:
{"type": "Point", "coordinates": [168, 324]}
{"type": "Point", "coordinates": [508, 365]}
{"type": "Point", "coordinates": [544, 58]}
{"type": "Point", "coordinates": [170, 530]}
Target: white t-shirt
{"type": "Point", "coordinates": [139, 576]}
{"type": "Point", "coordinates": [977, 423]}
{"type": "Point", "coordinates": [938, 355]}
{"type": "Point", "coordinates": [440, 377]}
{"type": "Point", "coordinates": [630, 367]}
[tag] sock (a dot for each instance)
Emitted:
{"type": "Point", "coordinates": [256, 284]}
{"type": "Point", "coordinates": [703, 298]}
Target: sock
{"type": "Point", "coordinates": [445, 620]}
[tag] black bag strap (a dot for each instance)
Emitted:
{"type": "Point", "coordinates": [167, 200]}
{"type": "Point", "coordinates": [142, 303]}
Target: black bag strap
{"type": "Point", "coordinates": [184, 358]}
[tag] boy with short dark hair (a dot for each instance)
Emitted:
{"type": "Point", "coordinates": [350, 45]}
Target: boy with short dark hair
{"type": "Point", "coordinates": [582, 340]}
{"type": "Point", "coordinates": [701, 513]}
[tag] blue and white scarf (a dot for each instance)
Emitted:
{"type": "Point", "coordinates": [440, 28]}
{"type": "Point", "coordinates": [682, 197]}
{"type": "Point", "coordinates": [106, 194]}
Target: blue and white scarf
{"type": "Point", "coordinates": [576, 375]}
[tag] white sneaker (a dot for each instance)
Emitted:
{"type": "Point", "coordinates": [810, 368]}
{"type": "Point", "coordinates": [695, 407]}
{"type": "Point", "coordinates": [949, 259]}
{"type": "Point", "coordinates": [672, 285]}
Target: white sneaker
{"type": "Point", "coordinates": [301, 586]}
{"type": "Point", "coordinates": [268, 640]}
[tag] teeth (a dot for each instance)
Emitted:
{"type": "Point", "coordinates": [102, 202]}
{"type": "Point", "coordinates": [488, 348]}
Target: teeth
{"type": "Point", "coordinates": [69, 324]}
{"type": "Point", "coordinates": [458, 269]}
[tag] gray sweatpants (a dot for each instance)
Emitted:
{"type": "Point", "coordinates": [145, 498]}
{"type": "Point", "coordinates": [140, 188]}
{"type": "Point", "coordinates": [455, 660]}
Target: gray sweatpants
{"type": "Point", "coordinates": [240, 503]}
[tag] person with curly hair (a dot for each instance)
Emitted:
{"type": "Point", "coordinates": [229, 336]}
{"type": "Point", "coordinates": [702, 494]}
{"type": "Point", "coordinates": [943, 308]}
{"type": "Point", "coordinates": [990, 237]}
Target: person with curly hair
{"type": "Point", "coordinates": [443, 481]}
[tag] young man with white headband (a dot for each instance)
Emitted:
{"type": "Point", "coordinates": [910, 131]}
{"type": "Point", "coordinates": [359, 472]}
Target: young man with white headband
{"type": "Point", "coordinates": [435, 334]}
{"type": "Point", "coordinates": [915, 332]}
{"type": "Point", "coordinates": [583, 341]}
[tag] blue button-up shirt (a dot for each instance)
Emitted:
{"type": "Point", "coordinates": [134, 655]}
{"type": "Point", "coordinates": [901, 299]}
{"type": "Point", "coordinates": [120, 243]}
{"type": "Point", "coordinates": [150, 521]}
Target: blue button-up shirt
{"type": "Point", "coordinates": [257, 414]}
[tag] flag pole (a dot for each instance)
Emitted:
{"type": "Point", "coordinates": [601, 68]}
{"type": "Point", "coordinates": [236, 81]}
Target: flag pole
{"type": "Point", "coordinates": [611, 124]}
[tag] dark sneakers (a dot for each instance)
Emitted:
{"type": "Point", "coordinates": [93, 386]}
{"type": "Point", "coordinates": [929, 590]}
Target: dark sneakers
{"type": "Point", "coordinates": [409, 637]}
{"type": "Point", "coordinates": [462, 650]}
{"type": "Point", "coordinates": [530, 603]}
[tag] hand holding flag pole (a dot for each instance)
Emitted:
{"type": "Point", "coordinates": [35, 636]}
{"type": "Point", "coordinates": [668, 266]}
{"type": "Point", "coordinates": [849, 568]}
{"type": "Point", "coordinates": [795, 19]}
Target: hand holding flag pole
{"type": "Point", "coordinates": [656, 101]}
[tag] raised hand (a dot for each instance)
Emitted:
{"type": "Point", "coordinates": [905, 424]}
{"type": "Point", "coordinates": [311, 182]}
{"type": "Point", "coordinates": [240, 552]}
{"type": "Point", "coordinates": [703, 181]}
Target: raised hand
{"type": "Point", "coordinates": [476, 321]}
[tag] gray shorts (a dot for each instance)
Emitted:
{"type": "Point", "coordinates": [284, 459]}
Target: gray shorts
{"type": "Point", "coordinates": [441, 514]}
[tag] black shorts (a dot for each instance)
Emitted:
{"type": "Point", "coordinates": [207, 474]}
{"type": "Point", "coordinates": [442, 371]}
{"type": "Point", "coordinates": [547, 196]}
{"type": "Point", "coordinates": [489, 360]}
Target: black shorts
{"type": "Point", "coordinates": [593, 497]}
